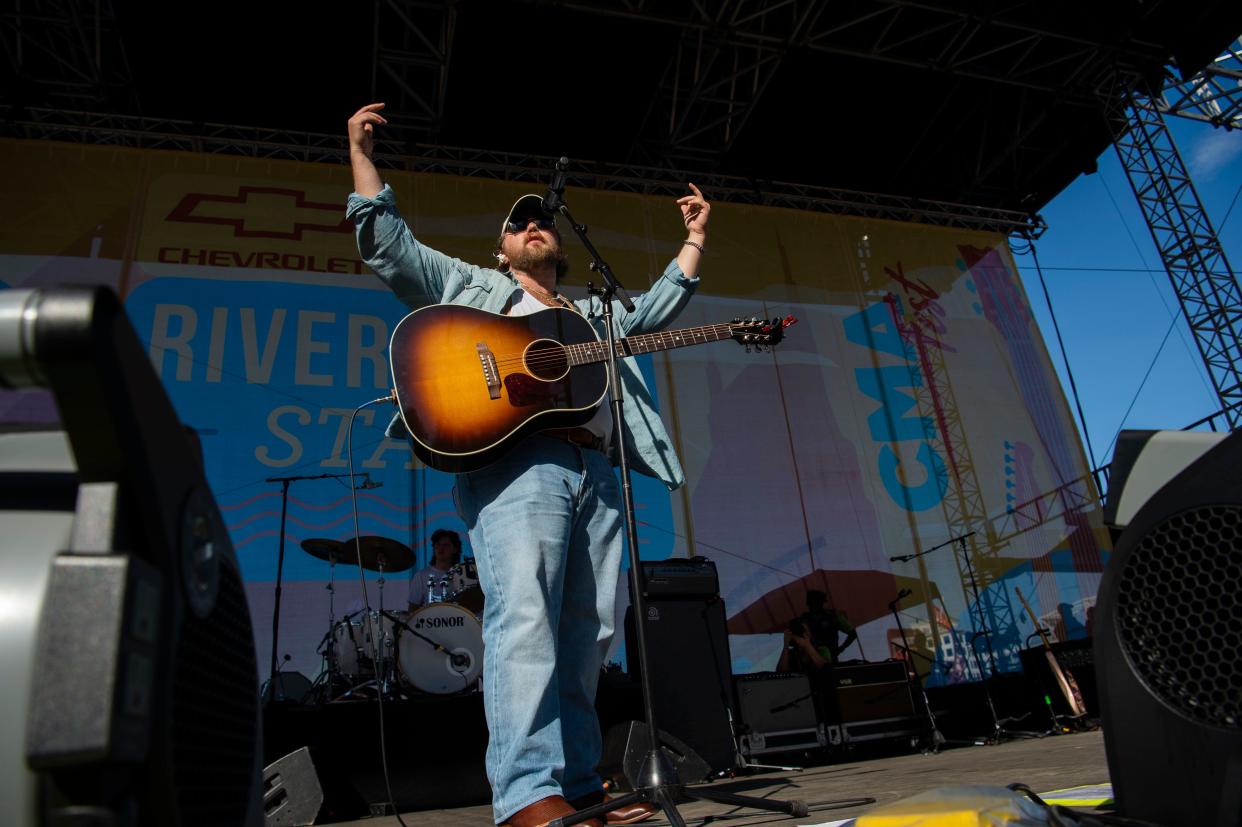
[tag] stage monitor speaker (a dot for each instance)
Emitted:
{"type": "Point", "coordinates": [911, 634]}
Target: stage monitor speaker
{"type": "Point", "coordinates": [1168, 631]}
{"type": "Point", "coordinates": [292, 794]}
{"type": "Point", "coordinates": [692, 678]}
{"type": "Point", "coordinates": [129, 662]}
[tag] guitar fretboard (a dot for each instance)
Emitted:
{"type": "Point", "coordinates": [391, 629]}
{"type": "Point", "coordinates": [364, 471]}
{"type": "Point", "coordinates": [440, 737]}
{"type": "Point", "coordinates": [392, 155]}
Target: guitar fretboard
{"type": "Point", "coordinates": [588, 352]}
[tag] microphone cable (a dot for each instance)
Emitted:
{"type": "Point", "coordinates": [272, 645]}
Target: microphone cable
{"type": "Point", "coordinates": [377, 634]}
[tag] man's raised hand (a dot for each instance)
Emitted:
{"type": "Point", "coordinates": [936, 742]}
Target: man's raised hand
{"type": "Point", "coordinates": [362, 128]}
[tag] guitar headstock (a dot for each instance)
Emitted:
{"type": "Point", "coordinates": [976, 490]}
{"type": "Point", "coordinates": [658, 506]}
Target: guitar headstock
{"type": "Point", "coordinates": [760, 333]}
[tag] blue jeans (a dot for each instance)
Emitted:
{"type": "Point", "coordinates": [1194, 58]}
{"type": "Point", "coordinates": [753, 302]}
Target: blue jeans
{"type": "Point", "coordinates": [545, 524]}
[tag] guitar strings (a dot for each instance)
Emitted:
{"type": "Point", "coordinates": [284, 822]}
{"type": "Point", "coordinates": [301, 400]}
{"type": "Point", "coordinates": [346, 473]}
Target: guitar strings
{"type": "Point", "coordinates": [564, 352]}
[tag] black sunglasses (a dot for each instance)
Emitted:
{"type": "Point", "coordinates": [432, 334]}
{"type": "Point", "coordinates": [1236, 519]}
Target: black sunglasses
{"type": "Point", "coordinates": [543, 222]}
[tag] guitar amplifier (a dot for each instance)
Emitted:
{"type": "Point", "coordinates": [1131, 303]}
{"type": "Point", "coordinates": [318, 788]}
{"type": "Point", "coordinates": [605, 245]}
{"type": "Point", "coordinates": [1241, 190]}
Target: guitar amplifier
{"type": "Point", "coordinates": [777, 711]}
{"type": "Point", "coordinates": [1076, 658]}
{"type": "Point", "coordinates": [1075, 654]}
{"type": "Point", "coordinates": [680, 577]}
{"type": "Point", "coordinates": [869, 691]}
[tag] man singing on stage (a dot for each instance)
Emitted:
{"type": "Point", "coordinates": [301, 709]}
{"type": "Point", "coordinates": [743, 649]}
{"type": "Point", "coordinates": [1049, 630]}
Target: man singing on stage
{"type": "Point", "coordinates": [545, 519]}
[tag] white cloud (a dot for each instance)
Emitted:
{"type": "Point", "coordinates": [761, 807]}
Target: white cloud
{"type": "Point", "coordinates": [1212, 153]}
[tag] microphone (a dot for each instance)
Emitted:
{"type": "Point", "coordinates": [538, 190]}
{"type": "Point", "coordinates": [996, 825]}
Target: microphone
{"type": "Point", "coordinates": [368, 484]}
{"type": "Point", "coordinates": [892, 604]}
{"type": "Point", "coordinates": [552, 198]}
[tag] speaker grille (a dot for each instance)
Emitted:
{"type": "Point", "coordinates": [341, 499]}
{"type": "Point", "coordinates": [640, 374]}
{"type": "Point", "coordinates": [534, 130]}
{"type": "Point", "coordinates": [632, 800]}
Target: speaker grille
{"type": "Point", "coordinates": [215, 705]}
{"type": "Point", "coordinates": [1179, 615]}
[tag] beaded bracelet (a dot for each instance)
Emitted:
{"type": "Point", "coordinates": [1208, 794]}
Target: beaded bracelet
{"type": "Point", "coordinates": [696, 245]}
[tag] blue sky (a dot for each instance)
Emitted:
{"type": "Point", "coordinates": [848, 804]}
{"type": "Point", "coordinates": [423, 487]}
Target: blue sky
{"type": "Point", "coordinates": [1113, 300]}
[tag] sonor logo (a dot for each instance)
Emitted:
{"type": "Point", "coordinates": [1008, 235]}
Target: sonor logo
{"type": "Point", "coordinates": [439, 622]}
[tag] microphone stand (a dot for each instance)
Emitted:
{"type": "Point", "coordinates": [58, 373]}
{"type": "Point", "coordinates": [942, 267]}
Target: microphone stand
{"type": "Point", "coordinates": [270, 695]}
{"type": "Point", "coordinates": [934, 737]}
{"type": "Point", "coordinates": [657, 782]}
{"type": "Point", "coordinates": [998, 731]}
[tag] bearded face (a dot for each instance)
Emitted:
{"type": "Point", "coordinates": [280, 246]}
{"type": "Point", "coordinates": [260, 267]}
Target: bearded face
{"type": "Point", "coordinates": [536, 256]}
{"type": "Point", "coordinates": [534, 249]}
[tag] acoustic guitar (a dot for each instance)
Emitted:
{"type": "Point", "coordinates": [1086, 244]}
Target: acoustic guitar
{"type": "Point", "coordinates": [470, 384]}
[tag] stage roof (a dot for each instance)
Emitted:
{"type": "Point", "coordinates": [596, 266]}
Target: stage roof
{"type": "Point", "coordinates": [998, 105]}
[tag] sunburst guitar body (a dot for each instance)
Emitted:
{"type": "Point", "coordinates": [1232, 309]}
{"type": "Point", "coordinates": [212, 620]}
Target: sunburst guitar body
{"type": "Point", "coordinates": [470, 384]}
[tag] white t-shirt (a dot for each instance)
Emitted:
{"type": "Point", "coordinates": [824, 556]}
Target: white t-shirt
{"type": "Point", "coordinates": [418, 585]}
{"type": "Point", "coordinates": [601, 423]}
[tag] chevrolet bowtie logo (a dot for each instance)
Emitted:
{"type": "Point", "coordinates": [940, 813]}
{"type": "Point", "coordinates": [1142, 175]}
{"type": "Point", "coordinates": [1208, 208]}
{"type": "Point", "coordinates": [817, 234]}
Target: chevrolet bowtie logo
{"type": "Point", "coordinates": [262, 212]}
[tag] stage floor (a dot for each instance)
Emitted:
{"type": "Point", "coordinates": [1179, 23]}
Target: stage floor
{"type": "Point", "coordinates": [1043, 764]}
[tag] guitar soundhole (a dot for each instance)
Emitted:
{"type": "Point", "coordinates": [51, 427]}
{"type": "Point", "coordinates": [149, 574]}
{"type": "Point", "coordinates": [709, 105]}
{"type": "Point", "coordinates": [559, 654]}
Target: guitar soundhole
{"type": "Point", "coordinates": [546, 359]}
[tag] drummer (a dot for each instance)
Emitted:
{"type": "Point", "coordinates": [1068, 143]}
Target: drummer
{"type": "Point", "coordinates": [445, 553]}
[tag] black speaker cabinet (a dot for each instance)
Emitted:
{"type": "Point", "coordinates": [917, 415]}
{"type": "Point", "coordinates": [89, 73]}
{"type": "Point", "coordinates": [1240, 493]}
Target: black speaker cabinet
{"type": "Point", "coordinates": [692, 679]}
{"type": "Point", "coordinates": [1168, 632]}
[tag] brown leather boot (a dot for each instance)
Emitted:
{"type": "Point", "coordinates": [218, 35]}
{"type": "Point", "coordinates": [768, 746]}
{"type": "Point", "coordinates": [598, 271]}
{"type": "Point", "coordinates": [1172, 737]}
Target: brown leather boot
{"type": "Point", "coordinates": [543, 811]}
{"type": "Point", "coordinates": [632, 814]}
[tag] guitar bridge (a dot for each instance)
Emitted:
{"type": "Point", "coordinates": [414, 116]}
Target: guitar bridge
{"type": "Point", "coordinates": [491, 374]}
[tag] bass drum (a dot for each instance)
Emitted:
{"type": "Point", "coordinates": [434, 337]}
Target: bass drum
{"type": "Point", "coordinates": [440, 649]}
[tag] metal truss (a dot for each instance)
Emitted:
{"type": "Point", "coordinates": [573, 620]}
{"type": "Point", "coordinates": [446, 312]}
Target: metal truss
{"type": "Point", "coordinates": [713, 82]}
{"type": "Point", "coordinates": [155, 133]}
{"type": "Point", "coordinates": [70, 50]}
{"type": "Point", "coordinates": [1192, 254]}
{"type": "Point", "coordinates": [413, 40]}
{"type": "Point", "coordinates": [741, 44]}
{"type": "Point", "coordinates": [1213, 95]}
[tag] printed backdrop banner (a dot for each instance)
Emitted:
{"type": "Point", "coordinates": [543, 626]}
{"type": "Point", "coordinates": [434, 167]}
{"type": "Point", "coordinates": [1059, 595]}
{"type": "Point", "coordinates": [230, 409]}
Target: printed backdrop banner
{"type": "Point", "coordinates": [912, 411]}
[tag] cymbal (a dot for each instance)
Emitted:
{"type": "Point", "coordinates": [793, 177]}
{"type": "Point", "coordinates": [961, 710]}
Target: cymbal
{"type": "Point", "coordinates": [330, 550]}
{"type": "Point", "coordinates": [381, 551]}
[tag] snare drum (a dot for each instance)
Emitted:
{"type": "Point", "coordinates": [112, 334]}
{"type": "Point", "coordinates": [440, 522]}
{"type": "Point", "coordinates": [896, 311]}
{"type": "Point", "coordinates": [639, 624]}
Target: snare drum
{"type": "Point", "coordinates": [463, 587]}
{"type": "Point", "coordinates": [350, 644]}
{"type": "Point", "coordinates": [456, 665]}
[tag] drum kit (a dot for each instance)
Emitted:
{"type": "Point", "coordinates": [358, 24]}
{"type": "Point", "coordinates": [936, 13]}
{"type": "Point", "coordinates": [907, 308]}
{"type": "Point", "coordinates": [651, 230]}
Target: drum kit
{"type": "Point", "coordinates": [436, 649]}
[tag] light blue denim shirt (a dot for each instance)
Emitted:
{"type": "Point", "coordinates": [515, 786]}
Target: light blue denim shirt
{"type": "Point", "coordinates": [419, 276]}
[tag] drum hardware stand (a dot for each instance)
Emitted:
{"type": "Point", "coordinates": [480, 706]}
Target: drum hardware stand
{"type": "Point", "coordinates": [373, 628]}
{"type": "Point", "coordinates": [285, 482]}
{"type": "Point", "coordinates": [333, 667]}
{"type": "Point", "coordinates": [376, 619]}
{"type": "Point", "coordinates": [657, 782]}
